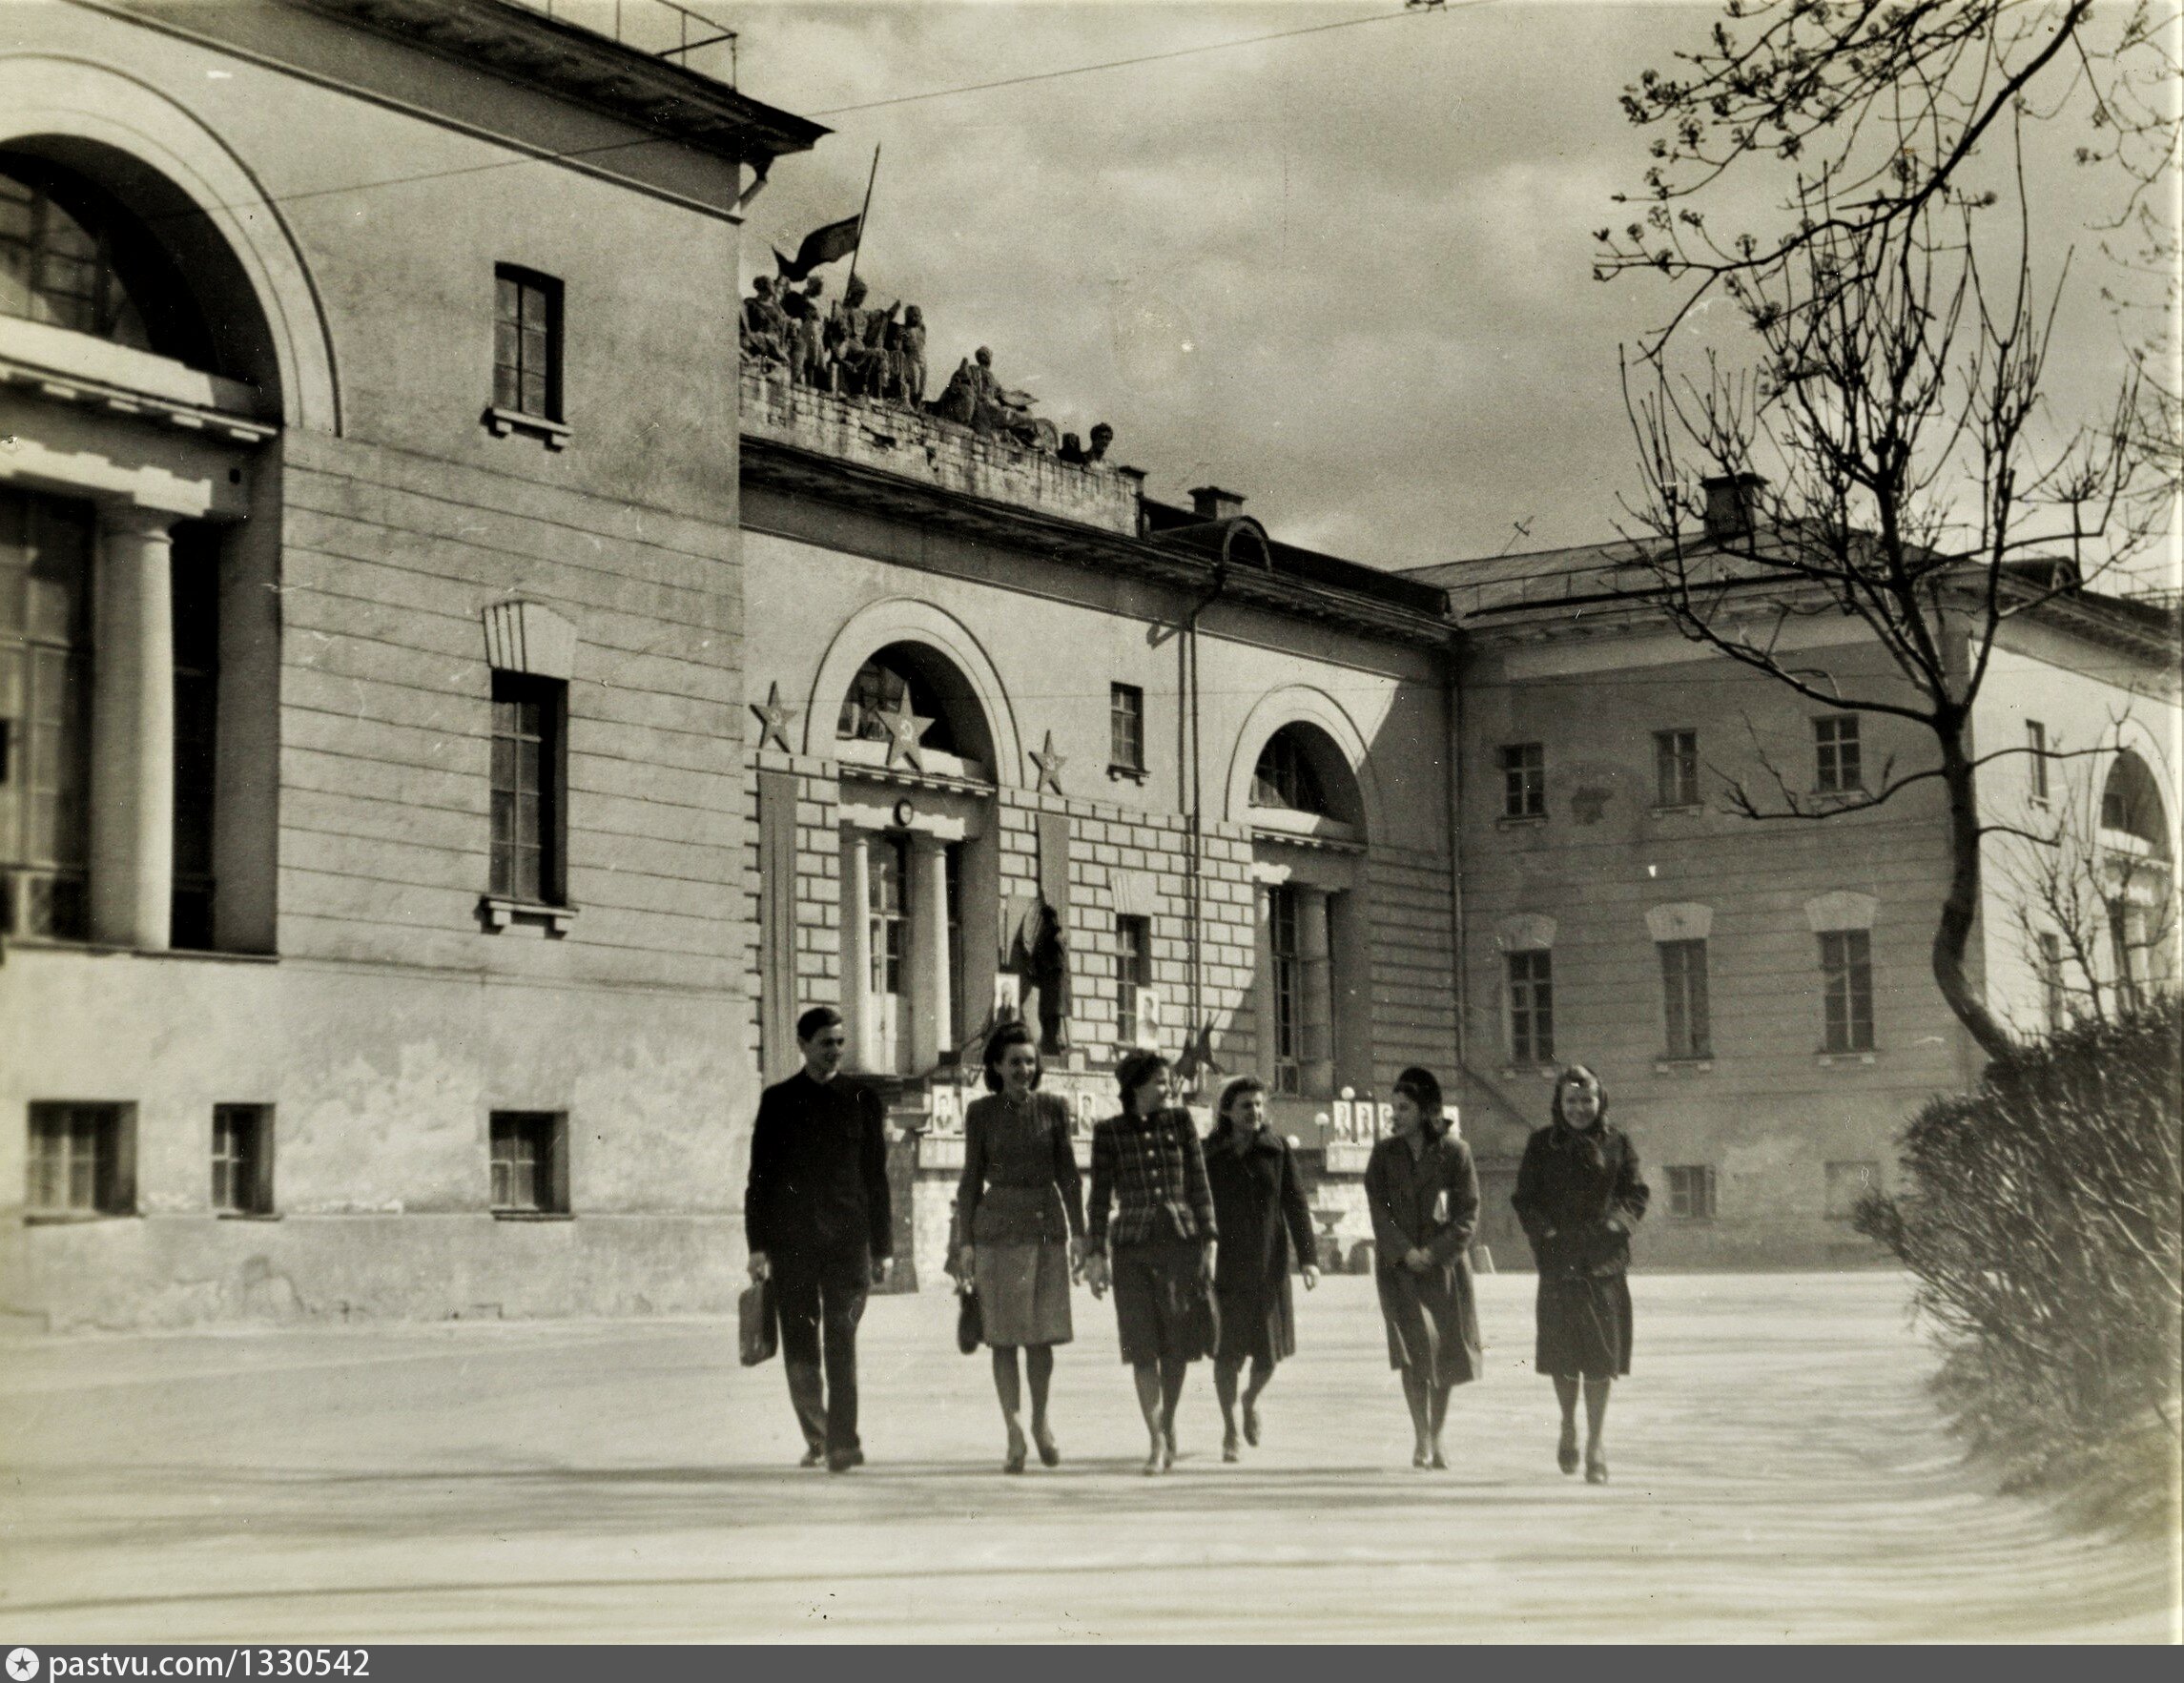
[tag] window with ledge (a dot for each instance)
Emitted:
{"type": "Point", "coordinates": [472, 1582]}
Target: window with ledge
{"type": "Point", "coordinates": [46, 548]}
{"type": "Point", "coordinates": [242, 1159]}
{"type": "Point", "coordinates": [2037, 751]}
{"type": "Point", "coordinates": [531, 781]}
{"type": "Point", "coordinates": [1683, 999]}
{"type": "Point", "coordinates": [1847, 987]}
{"type": "Point", "coordinates": [1836, 767]}
{"type": "Point", "coordinates": [1690, 1192]}
{"type": "Point", "coordinates": [1676, 767]}
{"type": "Point", "coordinates": [1848, 1184]}
{"type": "Point", "coordinates": [1126, 728]}
{"type": "Point", "coordinates": [1531, 1007]}
{"type": "Point", "coordinates": [527, 343]}
{"type": "Point", "coordinates": [1133, 979]}
{"type": "Point", "coordinates": [1523, 780]}
{"type": "Point", "coordinates": [529, 1163]}
{"type": "Point", "coordinates": [82, 1160]}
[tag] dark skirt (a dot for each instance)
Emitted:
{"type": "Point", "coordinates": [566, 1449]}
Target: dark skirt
{"type": "Point", "coordinates": [1584, 1327]}
{"type": "Point", "coordinates": [1258, 1323]}
{"type": "Point", "coordinates": [1160, 1300]}
{"type": "Point", "coordinates": [1432, 1323]}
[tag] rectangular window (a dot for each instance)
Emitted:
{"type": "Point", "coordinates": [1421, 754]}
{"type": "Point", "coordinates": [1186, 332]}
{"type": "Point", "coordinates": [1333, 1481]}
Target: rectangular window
{"type": "Point", "coordinates": [196, 591]}
{"type": "Point", "coordinates": [527, 343]}
{"type": "Point", "coordinates": [1676, 767]}
{"type": "Point", "coordinates": [531, 1162]}
{"type": "Point", "coordinates": [1691, 1192]}
{"type": "Point", "coordinates": [1835, 769]}
{"type": "Point", "coordinates": [1524, 780]}
{"type": "Point", "coordinates": [1683, 996]}
{"type": "Point", "coordinates": [1287, 951]}
{"type": "Point", "coordinates": [1133, 976]}
{"type": "Point", "coordinates": [45, 709]}
{"type": "Point", "coordinates": [242, 1159]}
{"type": "Point", "coordinates": [529, 780]}
{"type": "Point", "coordinates": [2053, 999]}
{"type": "Point", "coordinates": [1846, 977]}
{"type": "Point", "coordinates": [81, 1160]}
{"type": "Point", "coordinates": [1127, 728]}
{"type": "Point", "coordinates": [1847, 1184]}
{"type": "Point", "coordinates": [1531, 1007]}
{"type": "Point", "coordinates": [2036, 747]}
{"type": "Point", "coordinates": [888, 928]}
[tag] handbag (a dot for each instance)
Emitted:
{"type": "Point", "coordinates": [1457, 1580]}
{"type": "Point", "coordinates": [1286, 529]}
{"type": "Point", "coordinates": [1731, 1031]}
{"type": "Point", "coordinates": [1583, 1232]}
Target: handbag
{"type": "Point", "coordinates": [969, 1322]}
{"type": "Point", "coordinates": [1204, 1332]}
{"type": "Point", "coordinates": [758, 1326]}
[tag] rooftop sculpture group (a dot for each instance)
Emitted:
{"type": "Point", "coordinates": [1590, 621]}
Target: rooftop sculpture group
{"type": "Point", "coordinates": [855, 350]}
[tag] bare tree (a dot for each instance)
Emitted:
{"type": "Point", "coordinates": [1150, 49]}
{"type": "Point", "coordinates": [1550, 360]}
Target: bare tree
{"type": "Point", "coordinates": [1874, 440]}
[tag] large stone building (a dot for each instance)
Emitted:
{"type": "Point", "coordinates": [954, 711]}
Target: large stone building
{"type": "Point", "coordinates": [452, 718]}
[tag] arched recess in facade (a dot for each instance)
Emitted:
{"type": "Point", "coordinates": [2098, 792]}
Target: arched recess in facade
{"type": "Point", "coordinates": [159, 333]}
{"type": "Point", "coordinates": [167, 169]}
{"type": "Point", "coordinates": [1302, 780]}
{"type": "Point", "coordinates": [911, 710]}
{"type": "Point", "coordinates": [2134, 864]}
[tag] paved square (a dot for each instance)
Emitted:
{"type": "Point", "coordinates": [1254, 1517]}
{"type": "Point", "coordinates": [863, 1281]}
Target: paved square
{"type": "Point", "coordinates": [1778, 1475]}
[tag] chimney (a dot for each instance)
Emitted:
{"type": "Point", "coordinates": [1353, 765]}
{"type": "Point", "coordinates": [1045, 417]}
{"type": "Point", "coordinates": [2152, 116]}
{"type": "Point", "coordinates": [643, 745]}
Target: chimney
{"type": "Point", "coordinates": [1212, 502]}
{"type": "Point", "coordinates": [1729, 499]}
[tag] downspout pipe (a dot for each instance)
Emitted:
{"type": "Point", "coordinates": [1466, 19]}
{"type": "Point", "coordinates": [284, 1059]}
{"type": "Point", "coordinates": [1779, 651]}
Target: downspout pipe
{"type": "Point", "coordinates": [1452, 719]}
{"type": "Point", "coordinates": [1193, 867]}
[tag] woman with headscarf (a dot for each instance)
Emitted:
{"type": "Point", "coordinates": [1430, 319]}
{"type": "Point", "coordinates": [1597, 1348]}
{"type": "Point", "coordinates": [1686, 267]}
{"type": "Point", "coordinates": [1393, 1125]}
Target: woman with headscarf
{"type": "Point", "coordinates": [1578, 1195]}
{"type": "Point", "coordinates": [1019, 1187]}
{"type": "Point", "coordinates": [1259, 1201]}
{"type": "Point", "coordinates": [1423, 1193]}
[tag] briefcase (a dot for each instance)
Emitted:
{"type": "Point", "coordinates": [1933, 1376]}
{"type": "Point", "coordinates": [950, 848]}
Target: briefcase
{"type": "Point", "coordinates": [759, 1332]}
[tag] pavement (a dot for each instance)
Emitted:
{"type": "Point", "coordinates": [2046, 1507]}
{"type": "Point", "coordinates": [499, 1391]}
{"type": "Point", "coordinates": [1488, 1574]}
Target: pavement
{"type": "Point", "coordinates": [1780, 1474]}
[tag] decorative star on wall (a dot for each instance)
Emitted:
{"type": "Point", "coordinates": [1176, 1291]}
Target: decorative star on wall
{"type": "Point", "coordinates": [1049, 760]}
{"type": "Point", "coordinates": [773, 716]}
{"type": "Point", "coordinates": [905, 732]}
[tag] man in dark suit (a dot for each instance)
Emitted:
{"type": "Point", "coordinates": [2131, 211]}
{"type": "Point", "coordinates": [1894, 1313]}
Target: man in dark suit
{"type": "Point", "coordinates": [818, 1217]}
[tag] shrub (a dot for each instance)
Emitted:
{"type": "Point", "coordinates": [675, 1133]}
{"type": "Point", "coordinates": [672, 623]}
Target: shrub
{"type": "Point", "coordinates": [2042, 1219]}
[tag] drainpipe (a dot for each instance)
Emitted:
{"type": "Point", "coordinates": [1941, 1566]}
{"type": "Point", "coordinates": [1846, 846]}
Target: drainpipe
{"type": "Point", "coordinates": [1453, 717]}
{"type": "Point", "coordinates": [1193, 869]}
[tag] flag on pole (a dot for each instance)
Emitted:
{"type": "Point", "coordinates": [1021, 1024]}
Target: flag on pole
{"type": "Point", "coordinates": [822, 245]}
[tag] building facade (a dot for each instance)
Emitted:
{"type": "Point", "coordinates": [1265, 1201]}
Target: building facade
{"type": "Point", "coordinates": [455, 712]}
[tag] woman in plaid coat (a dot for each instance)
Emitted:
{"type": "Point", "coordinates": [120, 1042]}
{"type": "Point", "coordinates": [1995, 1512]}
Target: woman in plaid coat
{"type": "Point", "coordinates": [1157, 1253]}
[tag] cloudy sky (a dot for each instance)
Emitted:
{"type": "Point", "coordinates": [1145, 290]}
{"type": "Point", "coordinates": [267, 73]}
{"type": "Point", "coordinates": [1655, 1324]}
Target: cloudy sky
{"type": "Point", "coordinates": [1346, 273]}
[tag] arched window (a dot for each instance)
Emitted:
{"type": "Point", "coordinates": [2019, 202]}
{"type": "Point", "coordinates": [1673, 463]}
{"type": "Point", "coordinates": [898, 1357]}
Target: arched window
{"type": "Point", "coordinates": [1284, 776]}
{"type": "Point", "coordinates": [880, 686]}
{"type": "Point", "coordinates": [71, 257]}
{"type": "Point", "coordinates": [2131, 805]}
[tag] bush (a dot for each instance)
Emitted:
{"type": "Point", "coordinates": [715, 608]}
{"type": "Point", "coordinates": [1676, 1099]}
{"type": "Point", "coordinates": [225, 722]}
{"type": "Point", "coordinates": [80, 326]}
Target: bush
{"type": "Point", "coordinates": [2042, 1219]}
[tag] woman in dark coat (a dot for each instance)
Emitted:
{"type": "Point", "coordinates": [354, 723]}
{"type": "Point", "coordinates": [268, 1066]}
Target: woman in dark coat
{"type": "Point", "coordinates": [1423, 1193]}
{"type": "Point", "coordinates": [1149, 1164]}
{"type": "Point", "coordinates": [1259, 1201]}
{"type": "Point", "coordinates": [1020, 1186]}
{"type": "Point", "coordinates": [1578, 1194]}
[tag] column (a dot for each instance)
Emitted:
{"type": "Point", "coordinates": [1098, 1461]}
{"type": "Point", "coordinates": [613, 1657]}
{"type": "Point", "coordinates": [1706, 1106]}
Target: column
{"type": "Point", "coordinates": [132, 729]}
{"type": "Point", "coordinates": [1317, 965]}
{"type": "Point", "coordinates": [932, 989]}
{"type": "Point", "coordinates": [856, 945]}
{"type": "Point", "coordinates": [1263, 1007]}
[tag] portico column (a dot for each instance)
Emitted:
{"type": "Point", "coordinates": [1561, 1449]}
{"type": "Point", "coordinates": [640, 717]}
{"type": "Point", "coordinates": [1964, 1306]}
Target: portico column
{"type": "Point", "coordinates": [931, 1026]}
{"type": "Point", "coordinates": [132, 729]}
{"type": "Point", "coordinates": [1317, 962]}
{"type": "Point", "coordinates": [856, 945]}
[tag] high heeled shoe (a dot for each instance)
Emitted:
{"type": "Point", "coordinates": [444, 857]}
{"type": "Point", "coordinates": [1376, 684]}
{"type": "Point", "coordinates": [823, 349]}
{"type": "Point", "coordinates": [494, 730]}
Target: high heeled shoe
{"type": "Point", "coordinates": [1566, 1452]}
{"type": "Point", "coordinates": [1595, 1469]}
{"type": "Point", "coordinates": [1049, 1452]}
{"type": "Point", "coordinates": [1251, 1423]}
{"type": "Point", "coordinates": [1230, 1448]}
{"type": "Point", "coordinates": [1016, 1451]}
